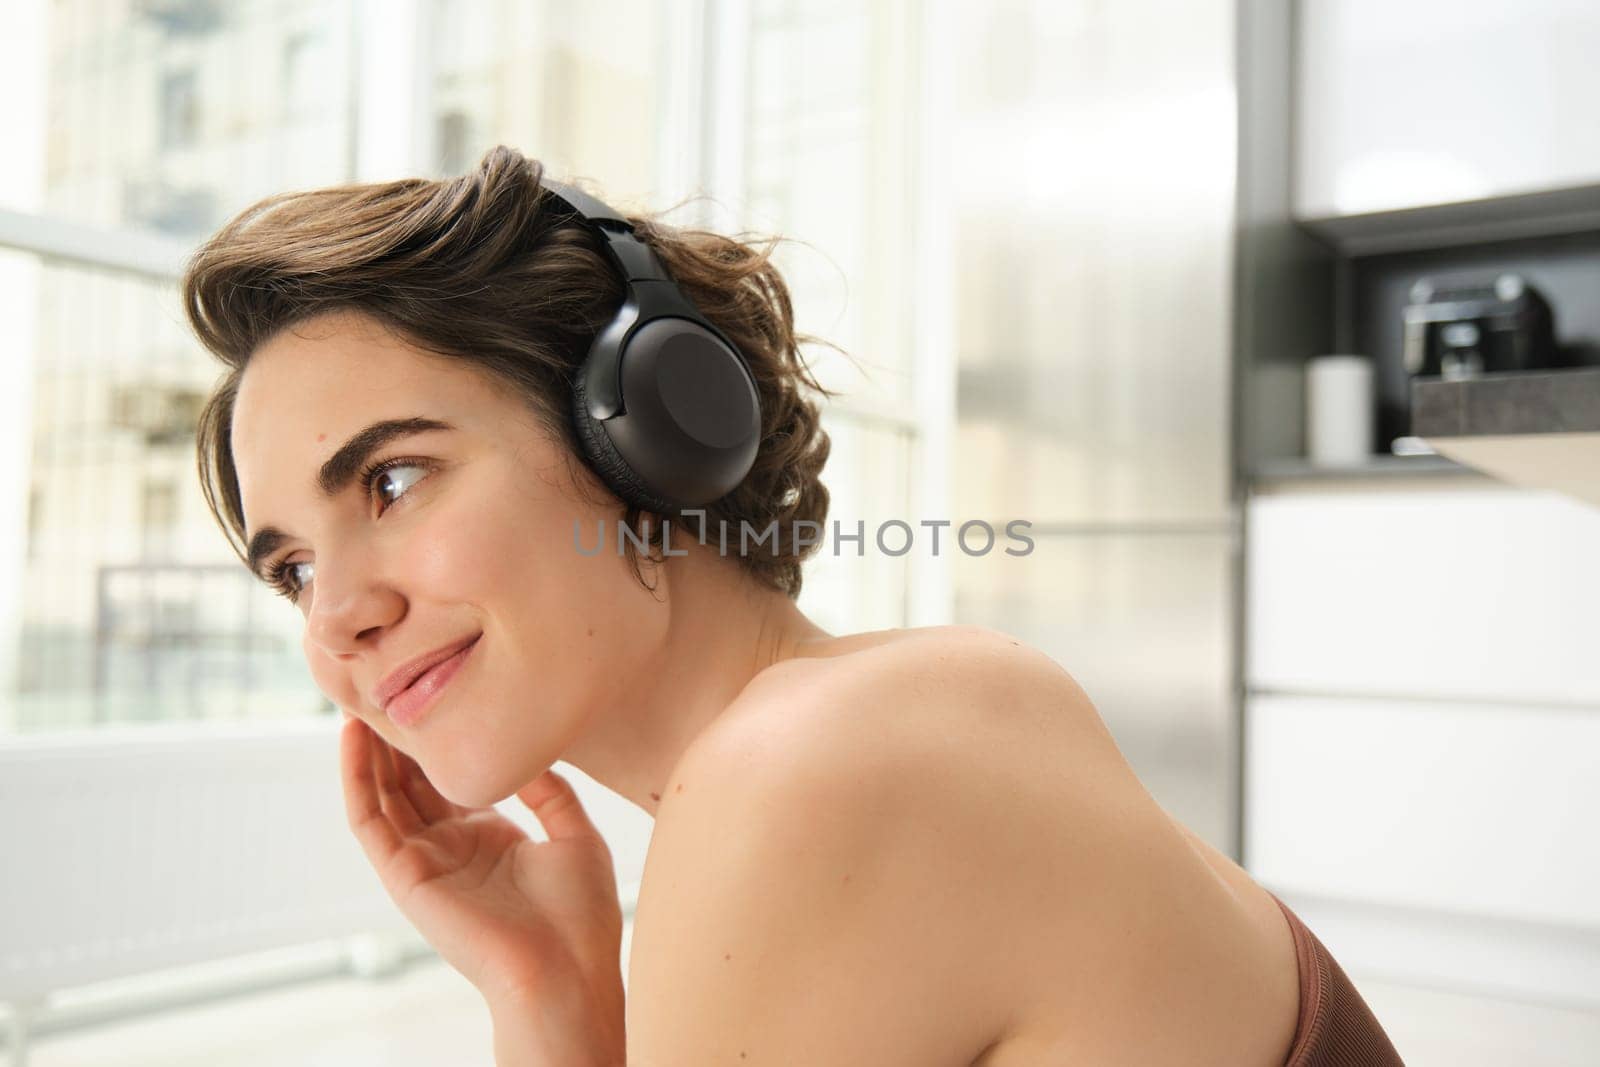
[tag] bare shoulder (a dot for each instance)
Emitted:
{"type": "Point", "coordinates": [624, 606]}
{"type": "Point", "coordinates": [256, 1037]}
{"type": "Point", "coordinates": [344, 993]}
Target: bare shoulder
{"type": "Point", "coordinates": [900, 789]}
{"type": "Point", "coordinates": [831, 844]}
{"type": "Point", "coordinates": [875, 688]}
{"type": "Point", "coordinates": [911, 714]}
{"type": "Point", "coordinates": [889, 727]}
{"type": "Point", "coordinates": [957, 793]}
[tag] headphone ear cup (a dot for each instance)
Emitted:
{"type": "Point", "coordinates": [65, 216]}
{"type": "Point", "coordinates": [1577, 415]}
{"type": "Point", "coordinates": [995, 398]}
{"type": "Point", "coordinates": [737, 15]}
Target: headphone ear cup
{"type": "Point", "coordinates": [606, 461]}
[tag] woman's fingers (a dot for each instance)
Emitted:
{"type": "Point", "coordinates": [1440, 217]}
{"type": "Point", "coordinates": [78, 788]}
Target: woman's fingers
{"type": "Point", "coordinates": [552, 798]}
{"type": "Point", "coordinates": [396, 804]}
{"type": "Point", "coordinates": [363, 809]}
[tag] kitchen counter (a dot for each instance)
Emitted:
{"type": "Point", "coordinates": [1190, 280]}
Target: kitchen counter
{"type": "Point", "coordinates": [1530, 402]}
{"type": "Point", "coordinates": [1539, 429]}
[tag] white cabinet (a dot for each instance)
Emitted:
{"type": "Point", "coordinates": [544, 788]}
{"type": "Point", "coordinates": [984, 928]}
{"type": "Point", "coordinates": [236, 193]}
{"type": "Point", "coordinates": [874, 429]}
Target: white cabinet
{"type": "Point", "coordinates": [1435, 101]}
{"type": "Point", "coordinates": [1475, 592]}
{"type": "Point", "coordinates": [1486, 809]}
{"type": "Point", "coordinates": [1422, 729]}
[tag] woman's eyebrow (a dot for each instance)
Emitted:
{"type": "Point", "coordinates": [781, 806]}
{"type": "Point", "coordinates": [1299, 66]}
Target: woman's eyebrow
{"type": "Point", "coordinates": [341, 468]}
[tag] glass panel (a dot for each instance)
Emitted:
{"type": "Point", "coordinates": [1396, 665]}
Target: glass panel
{"type": "Point", "coordinates": [1093, 247]}
{"type": "Point", "coordinates": [579, 86]}
{"type": "Point", "coordinates": [827, 161]}
{"type": "Point", "coordinates": [171, 115]}
{"type": "Point", "coordinates": [129, 604]}
{"type": "Point", "coordinates": [1145, 625]}
{"type": "Point", "coordinates": [850, 586]}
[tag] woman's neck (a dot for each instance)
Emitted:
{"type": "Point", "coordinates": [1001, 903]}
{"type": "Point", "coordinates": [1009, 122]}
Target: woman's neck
{"type": "Point", "coordinates": [720, 630]}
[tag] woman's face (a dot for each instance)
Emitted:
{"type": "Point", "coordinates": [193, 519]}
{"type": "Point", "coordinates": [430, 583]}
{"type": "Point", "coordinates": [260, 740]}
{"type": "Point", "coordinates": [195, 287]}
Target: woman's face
{"type": "Point", "coordinates": [470, 535]}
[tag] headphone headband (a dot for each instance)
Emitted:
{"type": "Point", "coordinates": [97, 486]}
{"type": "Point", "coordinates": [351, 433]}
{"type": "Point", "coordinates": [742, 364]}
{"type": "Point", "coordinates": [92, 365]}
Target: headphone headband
{"type": "Point", "coordinates": [631, 256]}
{"type": "Point", "coordinates": [583, 203]}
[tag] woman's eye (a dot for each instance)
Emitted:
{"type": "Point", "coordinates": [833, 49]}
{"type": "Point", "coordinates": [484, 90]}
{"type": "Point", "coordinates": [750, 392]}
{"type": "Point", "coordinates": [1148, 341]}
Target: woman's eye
{"type": "Point", "coordinates": [295, 583]}
{"type": "Point", "coordinates": [286, 582]}
{"type": "Point", "coordinates": [386, 478]}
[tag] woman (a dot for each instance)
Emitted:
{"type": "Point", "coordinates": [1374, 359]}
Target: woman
{"type": "Point", "coordinates": [899, 847]}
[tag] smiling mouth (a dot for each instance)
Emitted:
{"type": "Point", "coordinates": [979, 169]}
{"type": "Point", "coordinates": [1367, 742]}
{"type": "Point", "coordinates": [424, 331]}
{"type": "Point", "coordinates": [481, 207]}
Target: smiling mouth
{"type": "Point", "coordinates": [408, 706]}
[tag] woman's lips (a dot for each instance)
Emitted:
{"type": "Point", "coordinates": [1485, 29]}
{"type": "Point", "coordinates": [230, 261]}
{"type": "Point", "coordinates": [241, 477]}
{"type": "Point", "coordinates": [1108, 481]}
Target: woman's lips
{"type": "Point", "coordinates": [409, 705]}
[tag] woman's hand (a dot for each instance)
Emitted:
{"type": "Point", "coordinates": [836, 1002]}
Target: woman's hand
{"type": "Point", "coordinates": [536, 926]}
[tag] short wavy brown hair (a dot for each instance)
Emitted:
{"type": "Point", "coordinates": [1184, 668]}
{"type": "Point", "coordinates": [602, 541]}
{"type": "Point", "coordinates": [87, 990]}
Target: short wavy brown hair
{"type": "Point", "coordinates": [483, 268]}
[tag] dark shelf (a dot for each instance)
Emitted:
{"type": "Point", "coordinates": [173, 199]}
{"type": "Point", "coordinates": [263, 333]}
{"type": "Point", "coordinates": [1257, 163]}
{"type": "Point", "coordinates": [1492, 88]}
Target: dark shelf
{"type": "Point", "coordinates": [1298, 468]}
{"type": "Point", "coordinates": [1501, 218]}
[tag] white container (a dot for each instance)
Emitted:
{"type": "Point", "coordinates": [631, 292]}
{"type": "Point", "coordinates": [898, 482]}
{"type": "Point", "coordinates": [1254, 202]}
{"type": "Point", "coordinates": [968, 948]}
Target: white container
{"type": "Point", "coordinates": [1340, 409]}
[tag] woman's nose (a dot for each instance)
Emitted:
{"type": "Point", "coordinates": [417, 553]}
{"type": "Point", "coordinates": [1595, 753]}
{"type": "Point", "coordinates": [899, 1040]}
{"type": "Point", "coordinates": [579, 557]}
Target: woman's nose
{"type": "Point", "coordinates": [347, 604]}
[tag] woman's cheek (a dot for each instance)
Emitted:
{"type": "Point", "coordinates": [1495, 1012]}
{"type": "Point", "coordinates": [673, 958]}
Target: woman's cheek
{"type": "Point", "coordinates": [451, 556]}
{"type": "Point", "coordinates": [332, 677]}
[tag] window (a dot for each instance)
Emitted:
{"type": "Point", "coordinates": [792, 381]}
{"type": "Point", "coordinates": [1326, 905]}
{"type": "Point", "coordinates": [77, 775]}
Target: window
{"type": "Point", "coordinates": [130, 605]}
{"type": "Point", "coordinates": [125, 602]}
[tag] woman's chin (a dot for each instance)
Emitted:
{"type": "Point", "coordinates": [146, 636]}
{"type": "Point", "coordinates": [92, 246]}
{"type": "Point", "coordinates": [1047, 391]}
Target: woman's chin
{"type": "Point", "coordinates": [466, 786]}
{"type": "Point", "coordinates": [472, 793]}
{"type": "Point", "coordinates": [475, 770]}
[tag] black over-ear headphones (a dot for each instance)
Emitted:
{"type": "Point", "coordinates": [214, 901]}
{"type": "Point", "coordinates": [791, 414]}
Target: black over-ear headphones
{"type": "Point", "coordinates": [665, 406]}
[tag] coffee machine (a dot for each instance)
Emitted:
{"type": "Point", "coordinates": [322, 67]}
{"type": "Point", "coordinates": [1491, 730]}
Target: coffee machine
{"type": "Point", "coordinates": [1465, 327]}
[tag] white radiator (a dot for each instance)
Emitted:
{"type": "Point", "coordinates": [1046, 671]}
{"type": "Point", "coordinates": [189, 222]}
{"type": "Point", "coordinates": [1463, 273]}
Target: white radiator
{"type": "Point", "coordinates": [130, 849]}
{"type": "Point", "coordinates": [133, 849]}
